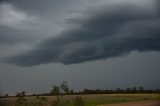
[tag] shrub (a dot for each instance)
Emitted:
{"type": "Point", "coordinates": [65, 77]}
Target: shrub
{"type": "Point", "coordinates": [21, 101]}
{"type": "Point", "coordinates": [78, 101]}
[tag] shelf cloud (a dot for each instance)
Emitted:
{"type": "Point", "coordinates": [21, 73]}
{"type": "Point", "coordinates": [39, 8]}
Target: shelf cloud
{"type": "Point", "coordinates": [106, 31]}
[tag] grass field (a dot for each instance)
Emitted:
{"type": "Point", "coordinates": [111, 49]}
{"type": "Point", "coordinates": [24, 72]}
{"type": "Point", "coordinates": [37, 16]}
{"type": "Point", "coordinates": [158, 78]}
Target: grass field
{"type": "Point", "coordinates": [89, 100]}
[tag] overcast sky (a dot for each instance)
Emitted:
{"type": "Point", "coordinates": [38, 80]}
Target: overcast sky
{"type": "Point", "coordinates": [88, 43]}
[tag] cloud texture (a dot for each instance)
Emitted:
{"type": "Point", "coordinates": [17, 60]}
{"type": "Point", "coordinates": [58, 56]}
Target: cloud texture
{"type": "Point", "coordinates": [111, 30]}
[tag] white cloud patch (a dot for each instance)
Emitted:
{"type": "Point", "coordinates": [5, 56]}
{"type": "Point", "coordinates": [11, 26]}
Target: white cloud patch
{"type": "Point", "coordinates": [14, 18]}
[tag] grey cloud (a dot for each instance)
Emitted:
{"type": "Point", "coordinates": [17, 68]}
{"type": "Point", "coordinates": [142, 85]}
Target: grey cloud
{"type": "Point", "coordinates": [44, 7]}
{"type": "Point", "coordinates": [10, 36]}
{"type": "Point", "coordinates": [4, 1]}
{"type": "Point", "coordinates": [107, 32]}
{"type": "Point", "coordinates": [29, 21]}
{"type": "Point", "coordinates": [15, 25]}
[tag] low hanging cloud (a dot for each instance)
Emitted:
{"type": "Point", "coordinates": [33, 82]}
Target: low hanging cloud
{"type": "Point", "coordinates": [112, 30]}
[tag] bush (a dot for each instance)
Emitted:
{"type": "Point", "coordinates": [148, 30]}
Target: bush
{"type": "Point", "coordinates": [21, 101]}
{"type": "Point", "coordinates": [78, 101]}
{"type": "Point", "coordinates": [41, 101]}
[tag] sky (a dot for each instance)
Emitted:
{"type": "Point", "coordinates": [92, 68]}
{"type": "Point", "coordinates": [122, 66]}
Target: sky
{"type": "Point", "coordinates": [104, 44]}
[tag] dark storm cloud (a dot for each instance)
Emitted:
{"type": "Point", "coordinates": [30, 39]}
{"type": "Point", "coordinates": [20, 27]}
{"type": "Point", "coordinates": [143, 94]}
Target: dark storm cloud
{"type": "Point", "coordinates": [106, 32]}
{"type": "Point", "coordinates": [4, 1]}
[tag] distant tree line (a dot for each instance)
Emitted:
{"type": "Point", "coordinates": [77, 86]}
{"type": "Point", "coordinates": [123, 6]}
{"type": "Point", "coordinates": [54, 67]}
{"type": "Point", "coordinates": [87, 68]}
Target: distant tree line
{"type": "Point", "coordinates": [118, 91]}
{"type": "Point", "coordinates": [63, 89]}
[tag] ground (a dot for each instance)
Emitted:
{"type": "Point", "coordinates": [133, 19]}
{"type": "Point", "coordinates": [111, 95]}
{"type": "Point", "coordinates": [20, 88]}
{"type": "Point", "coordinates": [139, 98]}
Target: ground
{"type": "Point", "coordinates": [91, 100]}
{"type": "Point", "coordinates": [148, 103]}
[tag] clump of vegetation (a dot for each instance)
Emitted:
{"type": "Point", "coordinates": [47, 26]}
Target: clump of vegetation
{"type": "Point", "coordinates": [78, 101]}
{"type": "Point", "coordinates": [41, 101]}
{"type": "Point", "coordinates": [63, 96]}
{"type": "Point", "coordinates": [55, 103]}
{"type": "Point", "coordinates": [59, 91]}
{"type": "Point", "coordinates": [62, 102]}
{"type": "Point", "coordinates": [21, 101]}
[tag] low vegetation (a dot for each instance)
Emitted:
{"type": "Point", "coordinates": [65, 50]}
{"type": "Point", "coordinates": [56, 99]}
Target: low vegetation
{"type": "Point", "coordinates": [78, 100]}
{"type": "Point", "coordinates": [61, 95]}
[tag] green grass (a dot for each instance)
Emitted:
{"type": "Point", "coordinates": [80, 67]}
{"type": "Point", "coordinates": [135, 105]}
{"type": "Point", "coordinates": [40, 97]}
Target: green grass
{"type": "Point", "coordinates": [90, 100]}
{"type": "Point", "coordinates": [120, 98]}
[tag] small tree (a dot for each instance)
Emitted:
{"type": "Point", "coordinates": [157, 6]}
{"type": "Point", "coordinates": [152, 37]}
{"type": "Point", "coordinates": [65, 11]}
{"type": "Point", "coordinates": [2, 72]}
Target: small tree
{"type": "Point", "coordinates": [64, 88]}
{"type": "Point", "coordinates": [141, 89]}
{"type": "Point", "coordinates": [72, 92]}
{"type": "Point", "coordinates": [134, 89]}
{"type": "Point", "coordinates": [23, 93]}
{"type": "Point", "coordinates": [128, 90]}
{"type": "Point", "coordinates": [55, 90]}
{"type": "Point", "coordinates": [60, 90]}
{"type": "Point", "coordinates": [118, 90]}
{"type": "Point", "coordinates": [6, 95]}
{"type": "Point", "coordinates": [18, 94]}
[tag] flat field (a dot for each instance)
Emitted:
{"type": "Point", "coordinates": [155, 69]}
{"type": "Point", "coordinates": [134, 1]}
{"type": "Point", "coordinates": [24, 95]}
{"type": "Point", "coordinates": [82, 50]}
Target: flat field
{"type": "Point", "coordinates": [88, 100]}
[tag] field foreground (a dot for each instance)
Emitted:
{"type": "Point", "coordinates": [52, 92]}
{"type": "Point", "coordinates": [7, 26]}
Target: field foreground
{"type": "Point", "coordinates": [149, 103]}
{"type": "Point", "coordinates": [90, 100]}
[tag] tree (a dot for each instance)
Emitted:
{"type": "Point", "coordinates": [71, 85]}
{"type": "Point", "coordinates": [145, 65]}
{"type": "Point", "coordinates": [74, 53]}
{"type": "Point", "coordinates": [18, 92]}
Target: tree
{"type": "Point", "coordinates": [134, 89]}
{"type": "Point", "coordinates": [59, 90]}
{"type": "Point", "coordinates": [157, 90]}
{"type": "Point", "coordinates": [64, 88]}
{"type": "Point", "coordinates": [141, 89]}
{"type": "Point", "coordinates": [18, 94]}
{"type": "Point", "coordinates": [72, 92]}
{"type": "Point", "coordinates": [55, 90]}
{"type": "Point", "coordinates": [128, 90]}
{"type": "Point", "coordinates": [6, 95]}
{"type": "Point", "coordinates": [118, 90]}
{"type": "Point", "coordinates": [23, 93]}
